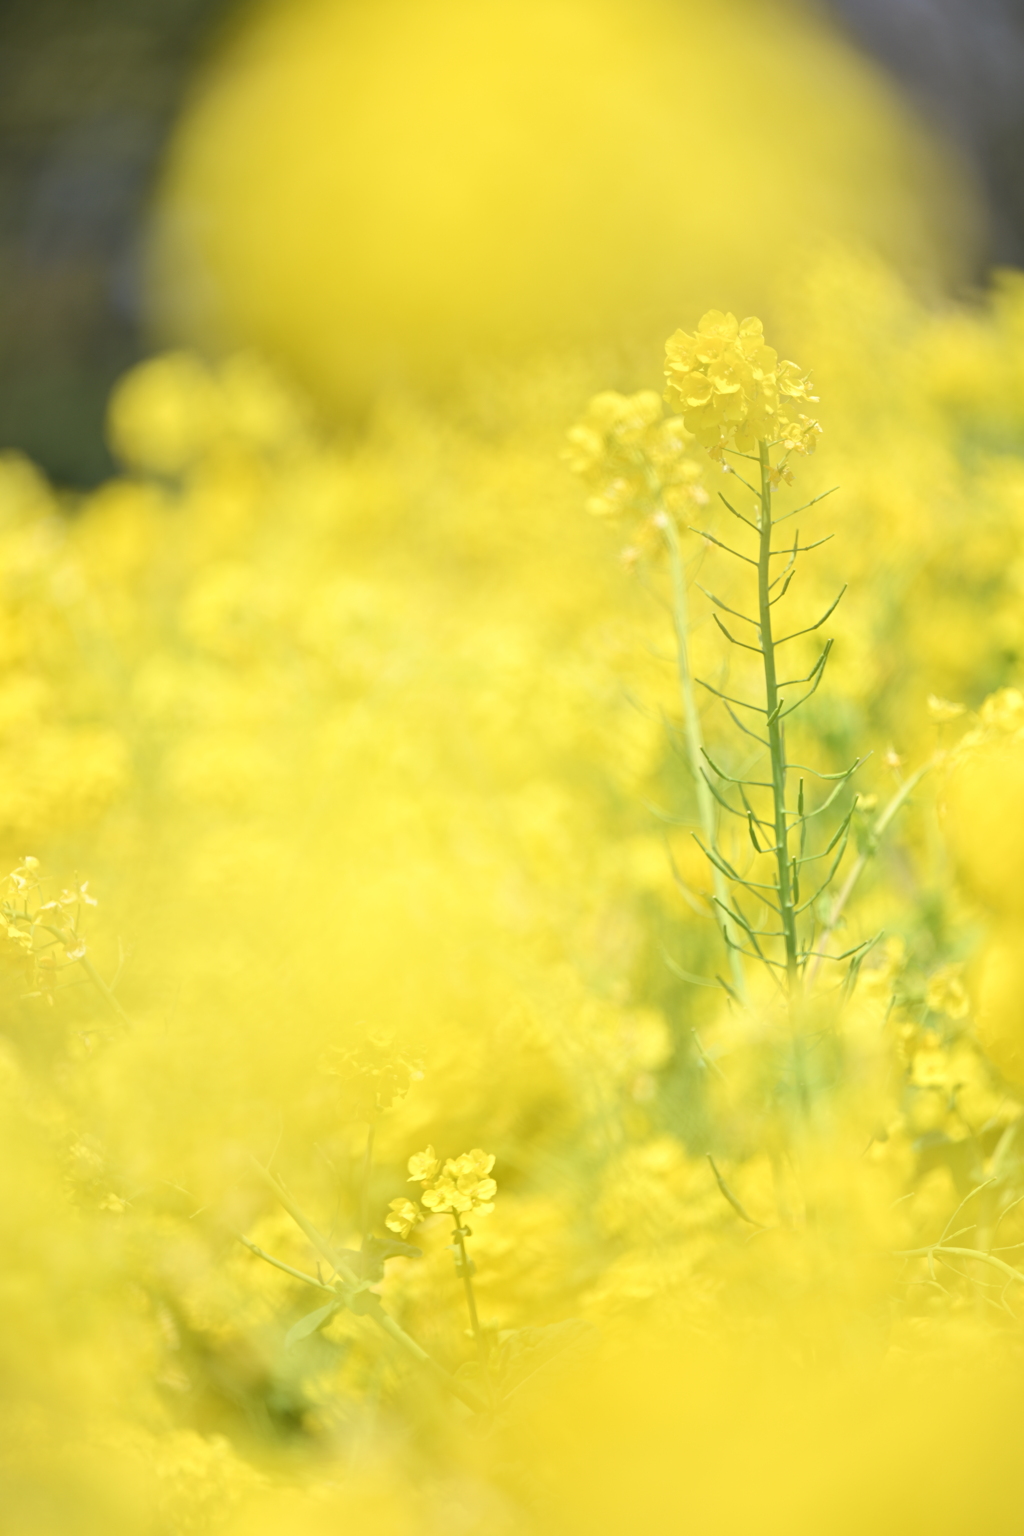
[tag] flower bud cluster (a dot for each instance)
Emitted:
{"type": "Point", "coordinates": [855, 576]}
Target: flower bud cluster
{"type": "Point", "coordinates": [461, 1187]}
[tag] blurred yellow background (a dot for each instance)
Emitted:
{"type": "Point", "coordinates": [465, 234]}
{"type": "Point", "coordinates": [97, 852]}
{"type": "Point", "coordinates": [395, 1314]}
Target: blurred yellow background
{"type": "Point", "coordinates": [382, 192]}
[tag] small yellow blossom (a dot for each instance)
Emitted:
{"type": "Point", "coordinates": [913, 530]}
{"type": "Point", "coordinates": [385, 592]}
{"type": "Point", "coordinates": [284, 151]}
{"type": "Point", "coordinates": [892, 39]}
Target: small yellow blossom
{"type": "Point", "coordinates": [476, 1162]}
{"type": "Point", "coordinates": [404, 1215]}
{"type": "Point", "coordinates": [445, 1196]}
{"type": "Point", "coordinates": [25, 877]}
{"type": "Point", "coordinates": [463, 1186]}
{"type": "Point", "coordinates": [423, 1166]}
{"type": "Point", "coordinates": [1003, 711]}
{"type": "Point", "coordinates": [19, 936]}
{"type": "Point", "coordinates": [733, 390]}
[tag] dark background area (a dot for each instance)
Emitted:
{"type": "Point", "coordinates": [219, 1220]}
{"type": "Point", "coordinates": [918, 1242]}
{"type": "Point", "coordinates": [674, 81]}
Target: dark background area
{"type": "Point", "coordinates": [89, 90]}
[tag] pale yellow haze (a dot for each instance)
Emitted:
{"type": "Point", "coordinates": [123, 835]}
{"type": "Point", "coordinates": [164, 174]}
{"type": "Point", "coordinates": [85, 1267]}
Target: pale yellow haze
{"type": "Point", "coordinates": [375, 192]}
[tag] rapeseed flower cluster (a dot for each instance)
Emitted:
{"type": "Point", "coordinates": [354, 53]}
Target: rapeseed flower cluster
{"type": "Point", "coordinates": [734, 391]}
{"type": "Point", "coordinates": [461, 1188]}
{"type": "Point", "coordinates": [635, 458]}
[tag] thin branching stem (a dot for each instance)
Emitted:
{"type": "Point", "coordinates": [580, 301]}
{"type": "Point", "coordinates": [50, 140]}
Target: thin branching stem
{"type": "Point", "coordinates": [357, 1295]}
{"type": "Point", "coordinates": [731, 1199]}
{"type": "Point", "coordinates": [287, 1269]}
{"type": "Point", "coordinates": [776, 738]}
{"type": "Point", "coordinates": [694, 735]}
{"type": "Point", "coordinates": [898, 800]}
{"type": "Point", "coordinates": [466, 1271]}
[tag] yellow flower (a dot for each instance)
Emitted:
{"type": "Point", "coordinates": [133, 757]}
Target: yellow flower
{"type": "Point", "coordinates": [942, 710]}
{"type": "Point", "coordinates": [373, 1074]}
{"type": "Point", "coordinates": [444, 1196]}
{"type": "Point", "coordinates": [635, 457]}
{"type": "Point", "coordinates": [404, 1215]}
{"type": "Point", "coordinates": [423, 1166]}
{"type": "Point", "coordinates": [25, 877]}
{"type": "Point", "coordinates": [947, 994]}
{"type": "Point", "coordinates": [733, 390]}
{"type": "Point", "coordinates": [930, 1064]}
{"type": "Point", "coordinates": [463, 1186]}
{"type": "Point", "coordinates": [1003, 711]}
{"type": "Point", "coordinates": [584, 448]}
{"type": "Point", "coordinates": [21, 938]}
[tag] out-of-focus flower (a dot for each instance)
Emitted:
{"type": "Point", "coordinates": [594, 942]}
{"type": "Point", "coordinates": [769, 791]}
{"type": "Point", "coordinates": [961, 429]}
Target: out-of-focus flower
{"type": "Point", "coordinates": [733, 390]}
{"type": "Point", "coordinates": [947, 994]}
{"type": "Point", "coordinates": [16, 934]}
{"type": "Point", "coordinates": [403, 1216]}
{"type": "Point", "coordinates": [638, 462]}
{"type": "Point", "coordinates": [877, 979]}
{"type": "Point", "coordinates": [373, 1074]}
{"type": "Point", "coordinates": [942, 711]}
{"type": "Point", "coordinates": [1003, 711]}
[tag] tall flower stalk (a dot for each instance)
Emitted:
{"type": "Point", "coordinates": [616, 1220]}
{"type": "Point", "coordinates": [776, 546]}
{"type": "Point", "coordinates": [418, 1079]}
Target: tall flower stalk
{"type": "Point", "coordinates": [739, 399]}
{"type": "Point", "coordinates": [735, 398]}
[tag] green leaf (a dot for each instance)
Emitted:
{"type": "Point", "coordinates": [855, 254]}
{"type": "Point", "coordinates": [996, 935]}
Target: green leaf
{"type": "Point", "coordinates": [310, 1323]}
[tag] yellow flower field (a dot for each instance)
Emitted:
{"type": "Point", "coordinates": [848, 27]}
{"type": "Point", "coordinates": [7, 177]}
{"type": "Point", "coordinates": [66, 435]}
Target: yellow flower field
{"type": "Point", "coordinates": [316, 826]}
{"type": "Point", "coordinates": [470, 1062]}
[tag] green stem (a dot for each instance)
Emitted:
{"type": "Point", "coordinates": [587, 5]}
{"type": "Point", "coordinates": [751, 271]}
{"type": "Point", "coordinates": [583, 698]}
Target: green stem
{"type": "Point", "coordinates": [326, 1251]}
{"type": "Point", "coordinates": [776, 733]}
{"type": "Point", "coordinates": [467, 1280]}
{"type": "Point", "coordinates": [964, 1253]}
{"type": "Point", "coordinates": [695, 741]}
{"type": "Point", "coordinates": [104, 991]}
{"type": "Point", "coordinates": [70, 939]}
{"type": "Point", "coordinates": [288, 1269]}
